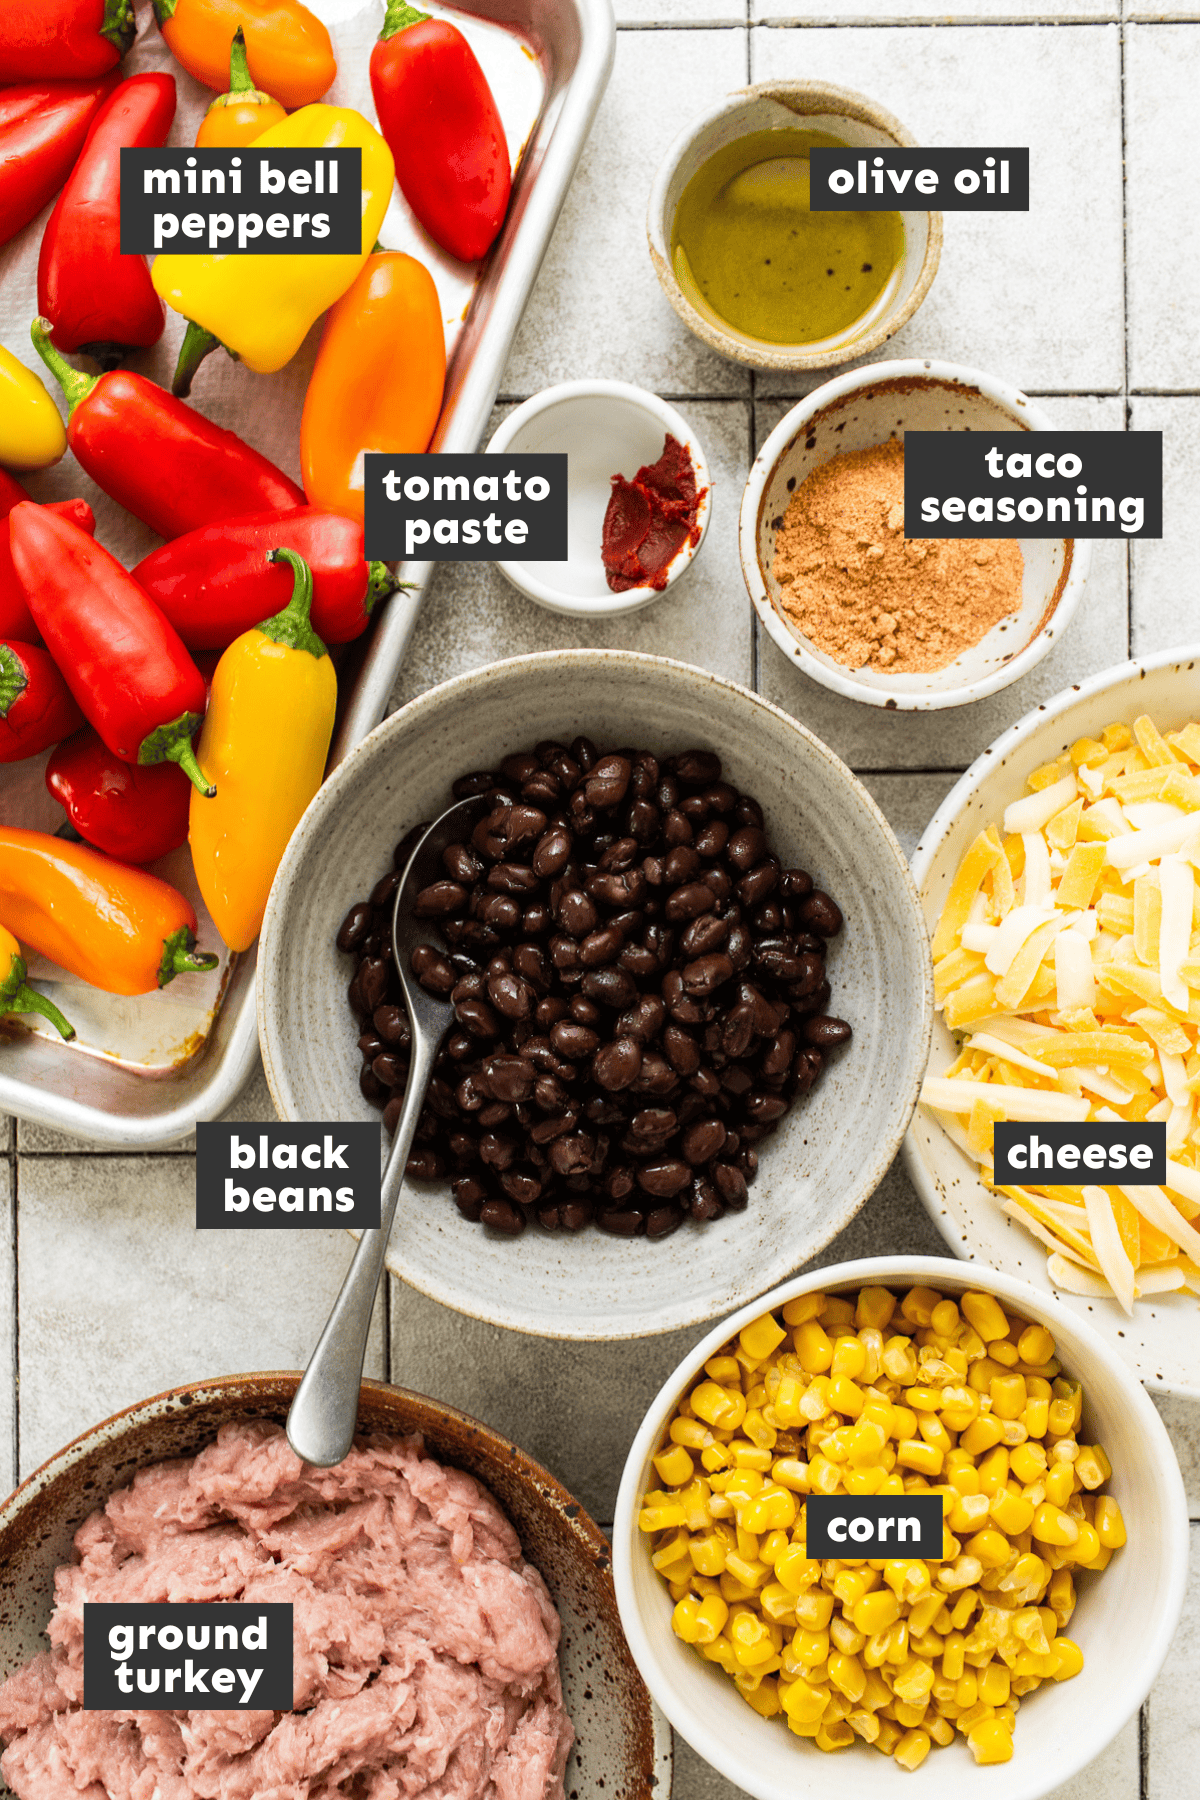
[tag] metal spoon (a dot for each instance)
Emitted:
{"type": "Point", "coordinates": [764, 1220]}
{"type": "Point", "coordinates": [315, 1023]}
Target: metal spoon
{"type": "Point", "coordinates": [320, 1425]}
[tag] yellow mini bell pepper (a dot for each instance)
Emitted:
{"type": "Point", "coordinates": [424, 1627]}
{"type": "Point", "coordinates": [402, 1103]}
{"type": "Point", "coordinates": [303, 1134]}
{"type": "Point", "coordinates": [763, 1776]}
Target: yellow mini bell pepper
{"type": "Point", "coordinates": [16, 995]}
{"type": "Point", "coordinates": [32, 434]}
{"type": "Point", "coordinates": [262, 307]}
{"type": "Point", "coordinates": [264, 744]}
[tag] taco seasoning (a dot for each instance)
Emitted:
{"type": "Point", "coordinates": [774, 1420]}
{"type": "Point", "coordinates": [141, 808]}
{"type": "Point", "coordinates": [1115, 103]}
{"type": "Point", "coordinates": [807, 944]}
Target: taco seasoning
{"type": "Point", "coordinates": [745, 247]}
{"type": "Point", "coordinates": [858, 589]}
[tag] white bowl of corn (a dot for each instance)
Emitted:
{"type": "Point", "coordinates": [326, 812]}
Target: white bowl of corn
{"type": "Point", "coordinates": [1007, 1665]}
{"type": "Point", "coordinates": [1059, 884]}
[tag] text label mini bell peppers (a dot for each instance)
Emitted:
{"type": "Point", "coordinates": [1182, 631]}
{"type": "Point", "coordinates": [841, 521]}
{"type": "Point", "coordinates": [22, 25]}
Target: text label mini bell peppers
{"type": "Point", "coordinates": [289, 49]}
{"type": "Point", "coordinates": [242, 114]}
{"type": "Point", "coordinates": [264, 744]}
{"type": "Point", "coordinates": [377, 381]}
{"type": "Point", "coordinates": [219, 581]}
{"type": "Point", "coordinates": [162, 460]}
{"type": "Point", "coordinates": [261, 308]}
{"type": "Point", "coordinates": [36, 705]}
{"type": "Point", "coordinates": [42, 128]}
{"type": "Point", "coordinates": [32, 435]}
{"type": "Point", "coordinates": [443, 127]}
{"type": "Point", "coordinates": [135, 814]}
{"type": "Point", "coordinates": [16, 620]}
{"type": "Point", "coordinates": [65, 40]}
{"type": "Point", "coordinates": [16, 995]}
{"type": "Point", "coordinates": [132, 677]}
{"type": "Point", "coordinates": [98, 301]}
{"type": "Point", "coordinates": [118, 927]}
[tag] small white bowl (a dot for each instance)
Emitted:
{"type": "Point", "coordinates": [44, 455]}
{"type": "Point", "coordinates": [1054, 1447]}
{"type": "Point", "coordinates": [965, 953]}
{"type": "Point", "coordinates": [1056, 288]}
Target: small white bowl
{"type": "Point", "coordinates": [1162, 1339]}
{"type": "Point", "coordinates": [773, 105]}
{"type": "Point", "coordinates": [869, 406]}
{"type": "Point", "coordinates": [605, 428]}
{"type": "Point", "coordinates": [1124, 1621]}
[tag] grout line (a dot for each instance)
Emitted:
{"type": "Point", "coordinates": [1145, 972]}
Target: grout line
{"type": "Point", "coordinates": [1144, 1750]}
{"type": "Point", "coordinates": [15, 1364]}
{"type": "Point", "coordinates": [945, 21]}
{"type": "Point", "coordinates": [387, 1326]}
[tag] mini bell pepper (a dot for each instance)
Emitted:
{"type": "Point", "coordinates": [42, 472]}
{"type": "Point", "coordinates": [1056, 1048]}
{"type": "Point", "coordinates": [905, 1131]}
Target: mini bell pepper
{"type": "Point", "coordinates": [98, 301]}
{"type": "Point", "coordinates": [261, 308]}
{"type": "Point", "coordinates": [377, 381]}
{"type": "Point", "coordinates": [135, 814]}
{"type": "Point", "coordinates": [264, 744]}
{"type": "Point", "coordinates": [289, 50]}
{"type": "Point", "coordinates": [36, 707]}
{"type": "Point", "coordinates": [32, 434]}
{"type": "Point", "coordinates": [219, 581]}
{"type": "Point", "coordinates": [443, 127]}
{"type": "Point", "coordinates": [42, 128]}
{"type": "Point", "coordinates": [161, 460]}
{"type": "Point", "coordinates": [65, 40]}
{"type": "Point", "coordinates": [242, 114]}
{"type": "Point", "coordinates": [132, 677]}
{"type": "Point", "coordinates": [118, 927]}
{"type": "Point", "coordinates": [16, 620]}
{"type": "Point", "coordinates": [16, 995]}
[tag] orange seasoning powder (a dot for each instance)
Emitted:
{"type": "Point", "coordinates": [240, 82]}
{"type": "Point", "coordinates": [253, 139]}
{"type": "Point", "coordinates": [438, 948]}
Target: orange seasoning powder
{"type": "Point", "coordinates": [858, 589]}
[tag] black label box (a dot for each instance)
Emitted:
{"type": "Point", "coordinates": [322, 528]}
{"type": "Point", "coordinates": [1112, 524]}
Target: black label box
{"type": "Point", "coordinates": [281, 1177]}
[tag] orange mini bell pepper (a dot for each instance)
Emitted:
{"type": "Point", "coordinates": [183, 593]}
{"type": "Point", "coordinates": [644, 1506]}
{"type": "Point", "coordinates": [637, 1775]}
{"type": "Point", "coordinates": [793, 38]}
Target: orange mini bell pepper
{"type": "Point", "coordinates": [288, 49]}
{"type": "Point", "coordinates": [378, 379]}
{"type": "Point", "coordinates": [242, 114]}
{"type": "Point", "coordinates": [116, 926]}
{"type": "Point", "coordinates": [16, 995]}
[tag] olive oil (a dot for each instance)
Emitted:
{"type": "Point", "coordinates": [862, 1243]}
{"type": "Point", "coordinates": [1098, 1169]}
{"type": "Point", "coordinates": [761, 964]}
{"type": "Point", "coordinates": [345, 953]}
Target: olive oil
{"type": "Point", "coordinates": [746, 248]}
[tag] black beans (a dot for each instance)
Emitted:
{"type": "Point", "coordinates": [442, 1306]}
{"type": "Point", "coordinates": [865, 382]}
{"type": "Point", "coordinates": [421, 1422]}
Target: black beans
{"type": "Point", "coordinates": [639, 992]}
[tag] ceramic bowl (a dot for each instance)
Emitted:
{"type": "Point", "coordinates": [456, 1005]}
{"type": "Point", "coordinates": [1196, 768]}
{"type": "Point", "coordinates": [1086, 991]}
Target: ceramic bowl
{"type": "Point", "coordinates": [829, 1153]}
{"type": "Point", "coordinates": [866, 407]}
{"type": "Point", "coordinates": [816, 106]}
{"type": "Point", "coordinates": [1162, 1339]}
{"type": "Point", "coordinates": [1123, 1623]}
{"type": "Point", "coordinates": [604, 428]}
{"type": "Point", "coordinates": [622, 1748]}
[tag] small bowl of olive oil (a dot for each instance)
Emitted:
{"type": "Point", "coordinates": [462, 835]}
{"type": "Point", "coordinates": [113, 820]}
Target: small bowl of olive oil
{"type": "Point", "coordinates": [749, 268]}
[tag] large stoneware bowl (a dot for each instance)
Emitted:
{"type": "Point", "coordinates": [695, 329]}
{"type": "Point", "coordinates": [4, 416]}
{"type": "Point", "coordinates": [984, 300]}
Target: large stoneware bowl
{"type": "Point", "coordinates": [622, 1748]}
{"type": "Point", "coordinates": [830, 1151]}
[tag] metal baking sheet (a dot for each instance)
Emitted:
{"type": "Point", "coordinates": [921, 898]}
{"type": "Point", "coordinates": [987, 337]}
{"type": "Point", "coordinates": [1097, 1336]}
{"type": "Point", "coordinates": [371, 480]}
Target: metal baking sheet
{"type": "Point", "coordinates": [145, 1070]}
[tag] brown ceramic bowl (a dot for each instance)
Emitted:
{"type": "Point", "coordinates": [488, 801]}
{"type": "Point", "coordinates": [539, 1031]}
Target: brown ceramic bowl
{"type": "Point", "coordinates": [622, 1746]}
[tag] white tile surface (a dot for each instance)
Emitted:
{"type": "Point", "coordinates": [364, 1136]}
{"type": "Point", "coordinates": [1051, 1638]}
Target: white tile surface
{"type": "Point", "coordinates": [1033, 297]}
{"type": "Point", "coordinates": [1173, 1716]}
{"type": "Point", "coordinates": [1164, 247]}
{"type": "Point", "coordinates": [1166, 571]}
{"type": "Point", "coordinates": [121, 1297]}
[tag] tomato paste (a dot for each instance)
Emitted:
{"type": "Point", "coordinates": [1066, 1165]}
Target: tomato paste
{"type": "Point", "coordinates": [650, 519]}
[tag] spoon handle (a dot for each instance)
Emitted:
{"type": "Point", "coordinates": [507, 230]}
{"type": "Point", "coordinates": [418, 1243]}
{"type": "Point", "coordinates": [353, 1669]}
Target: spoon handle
{"type": "Point", "coordinates": [320, 1425]}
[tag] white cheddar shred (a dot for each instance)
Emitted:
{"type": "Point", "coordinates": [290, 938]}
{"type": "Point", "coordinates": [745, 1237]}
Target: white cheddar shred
{"type": "Point", "coordinates": [1067, 959]}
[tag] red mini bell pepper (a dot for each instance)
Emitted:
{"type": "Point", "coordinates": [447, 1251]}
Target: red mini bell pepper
{"type": "Point", "coordinates": [443, 128]}
{"type": "Point", "coordinates": [67, 40]}
{"type": "Point", "coordinates": [97, 300]}
{"type": "Point", "coordinates": [36, 707]}
{"type": "Point", "coordinates": [16, 620]}
{"type": "Point", "coordinates": [42, 128]}
{"type": "Point", "coordinates": [136, 814]}
{"type": "Point", "coordinates": [125, 665]}
{"type": "Point", "coordinates": [157, 456]}
{"type": "Point", "coordinates": [219, 581]}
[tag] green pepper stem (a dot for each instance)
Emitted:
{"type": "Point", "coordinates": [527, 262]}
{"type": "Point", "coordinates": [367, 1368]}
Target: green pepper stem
{"type": "Point", "coordinates": [119, 25]}
{"type": "Point", "coordinates": [197, 344]}
{"type": "Point", "coordinates": [399, 14]}
{"type": "Point", "coordinates": [16, 996]}
{"type": "Point", "coordinates": [293, 626]}
{"type": "Point", "coordinates": [75, 385]}
{"type": "Point", "coordinates": [164, 11]}
{"type": "Point", "coordinates": [183, 754]}
{"type": "Point", "coordinates": [381, 585]}
{"type": "Point", "coordinates": [14, 679]}
{"type": "Point", "coordinates": [172, 742]}
{"type": "Point", "coordinates": [239, 69]}
{"type": "Point", "coordinates": [180, 957]}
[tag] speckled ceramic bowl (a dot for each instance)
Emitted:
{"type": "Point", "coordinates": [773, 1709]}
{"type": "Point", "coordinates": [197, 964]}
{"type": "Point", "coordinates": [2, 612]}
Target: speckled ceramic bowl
{"type": "Point", "coordinates": [622, 1749]}
{"type": "Point", "coordinates": [1162, 1339]}
{"type": "Point", "coordinates": [869, 406]}
{"type": "Point", "coordinates": [830, 1151]}
{"type": "Point", "coordinates": [1124, 1621]}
